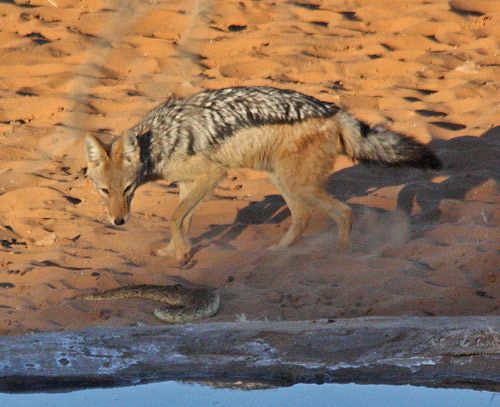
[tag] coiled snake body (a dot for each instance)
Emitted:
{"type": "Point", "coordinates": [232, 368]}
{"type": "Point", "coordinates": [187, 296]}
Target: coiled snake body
{"type": "Point", "coordinates": [184, 304]}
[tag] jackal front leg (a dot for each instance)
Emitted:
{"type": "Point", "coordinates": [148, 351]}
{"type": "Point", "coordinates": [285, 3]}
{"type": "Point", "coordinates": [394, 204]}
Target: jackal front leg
{"type": "Point", "coordinates": [169, 251]}
{"type": "Point", "coordinates": [204, 184]}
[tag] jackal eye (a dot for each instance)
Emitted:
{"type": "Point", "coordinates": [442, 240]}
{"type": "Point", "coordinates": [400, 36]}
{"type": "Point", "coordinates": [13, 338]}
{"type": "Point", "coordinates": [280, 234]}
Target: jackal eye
{"type": "Point", "coordinates": [127, 189]}
{"type": "Point", "coordinates": [104, 191]}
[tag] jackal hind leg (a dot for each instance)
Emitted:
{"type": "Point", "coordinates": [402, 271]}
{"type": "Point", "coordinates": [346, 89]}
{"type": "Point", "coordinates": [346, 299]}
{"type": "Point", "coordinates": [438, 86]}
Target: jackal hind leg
{"type": "Point", "coordinates": [204, 183]}
{"type": "Point", "coordinates": [302, 175]}
{"type": "Point", "coordinates": [336, 210]}
{"type": "Point", "coordinates": [298, 209]}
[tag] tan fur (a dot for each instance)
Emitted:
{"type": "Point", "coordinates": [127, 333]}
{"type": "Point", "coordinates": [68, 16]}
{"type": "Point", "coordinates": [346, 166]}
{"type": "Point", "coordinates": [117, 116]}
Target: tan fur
{"type": "Point", "coordinates": [298, 158]}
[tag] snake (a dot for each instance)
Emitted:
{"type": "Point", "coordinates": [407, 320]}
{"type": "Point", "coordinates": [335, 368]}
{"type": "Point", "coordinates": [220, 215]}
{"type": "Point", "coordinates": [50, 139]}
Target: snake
{"type": "Point", "coordinates": [185, 304]}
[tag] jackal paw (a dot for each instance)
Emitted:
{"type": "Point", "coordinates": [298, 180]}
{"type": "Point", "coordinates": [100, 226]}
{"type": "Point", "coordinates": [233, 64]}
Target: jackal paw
{"type": "Point", "coordinates": [189, 264]}
{"type": "Point", "coordinates": [276, 248]}
{"type": "Point", "coordinates": [165, 251]}
{"type": "Point", "coordinates": [343, 246]}
{"type": "Point", "coordinates": [185, 260]}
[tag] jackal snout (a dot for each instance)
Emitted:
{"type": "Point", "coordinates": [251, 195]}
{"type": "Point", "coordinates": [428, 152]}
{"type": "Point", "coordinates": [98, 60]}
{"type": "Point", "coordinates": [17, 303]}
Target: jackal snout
{"type": "Point", "coordinates": [118, 221]}
{"type": "Point", "coordinates": [118, 209]}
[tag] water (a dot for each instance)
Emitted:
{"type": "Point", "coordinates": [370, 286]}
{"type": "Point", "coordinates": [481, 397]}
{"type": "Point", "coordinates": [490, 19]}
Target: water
{"type": "Point", "coordinates": [194, 395]}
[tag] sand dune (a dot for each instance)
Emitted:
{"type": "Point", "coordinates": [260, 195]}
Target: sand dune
{"type": "Point", "coordinates": [423, 244]}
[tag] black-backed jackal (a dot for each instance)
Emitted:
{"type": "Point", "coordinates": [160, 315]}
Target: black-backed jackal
{"type": "Point", "coordinates": [195, 140]}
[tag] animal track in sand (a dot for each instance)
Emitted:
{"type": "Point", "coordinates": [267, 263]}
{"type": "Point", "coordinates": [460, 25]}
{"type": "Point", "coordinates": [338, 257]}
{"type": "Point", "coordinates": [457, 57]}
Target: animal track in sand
{"type": "Point", "coordinates": [449, 125]}
{"type": "Point", "coordinates": [430, 113]}
{"type": "Point", "coordinates": [38, 38]}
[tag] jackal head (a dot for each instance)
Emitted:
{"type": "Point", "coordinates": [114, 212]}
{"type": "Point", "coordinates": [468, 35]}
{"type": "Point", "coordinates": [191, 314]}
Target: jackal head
{"type": "Point", "coordinates": [115, 172]}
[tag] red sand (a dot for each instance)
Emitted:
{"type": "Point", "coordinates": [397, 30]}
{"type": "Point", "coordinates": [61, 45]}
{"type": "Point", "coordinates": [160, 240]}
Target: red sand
{"type": "Point", "coordinates": [424, 243]}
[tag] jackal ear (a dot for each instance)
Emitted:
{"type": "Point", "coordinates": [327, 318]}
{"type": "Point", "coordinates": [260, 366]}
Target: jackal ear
{"type": "Point", "coordinates": [95, 153]}
{"type": "Point", "coordinates": [131, 151]}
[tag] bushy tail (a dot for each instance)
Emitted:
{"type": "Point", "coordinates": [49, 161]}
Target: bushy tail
{"type": "Point", "coordinates": [364, 143]}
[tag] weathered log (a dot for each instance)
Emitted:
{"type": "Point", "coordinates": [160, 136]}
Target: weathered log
{"type": "Point", "coordinates": [432, 351]}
